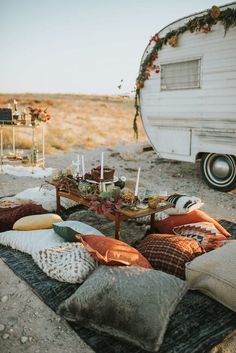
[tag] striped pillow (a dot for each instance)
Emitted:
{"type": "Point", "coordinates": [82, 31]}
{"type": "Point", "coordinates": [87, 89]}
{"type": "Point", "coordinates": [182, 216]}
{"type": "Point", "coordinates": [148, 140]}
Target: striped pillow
{"type": "Point", "coordinates": [183, 204]}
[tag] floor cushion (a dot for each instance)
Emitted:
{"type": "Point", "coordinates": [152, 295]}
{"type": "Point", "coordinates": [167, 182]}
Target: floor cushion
{"type": "Point", "coordinates": [166, 226]}
{"type": "Point", "coordinates": [204, 232]}
{"type": "Point", "coordinates": [42, 221]}
{"type": "Point", "coordinates": [130, 303]}
{"type": "Point", "coordinates": [68, 230]}
{"type": "Point", "coordinates": [183, 204]}
{"type": "Point", "coordinates": [169, 253]}
{"type": "Point", "coordinates": [110, 251]}
{"type": "Point", "coordinates": [8, 216]}
{"type": "Point", "coordinates": [214, 274]}
{"type": "Point", "coordinates": [68, 262]}
{"type": "Point", "coordinates": [29, 241]}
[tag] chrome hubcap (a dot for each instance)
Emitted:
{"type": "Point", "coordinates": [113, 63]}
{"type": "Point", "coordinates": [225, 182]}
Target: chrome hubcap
{"type": "Point", "coordinates": [220, 169]}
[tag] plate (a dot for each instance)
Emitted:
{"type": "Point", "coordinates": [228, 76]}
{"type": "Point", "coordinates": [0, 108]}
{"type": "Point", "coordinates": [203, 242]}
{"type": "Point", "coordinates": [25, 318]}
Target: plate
{"type": "Point", "coordinates": [105, 182]}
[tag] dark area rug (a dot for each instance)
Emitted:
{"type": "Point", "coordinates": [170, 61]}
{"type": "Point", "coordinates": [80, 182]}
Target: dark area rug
{"type": "Point", "coordinates": [198, 323]}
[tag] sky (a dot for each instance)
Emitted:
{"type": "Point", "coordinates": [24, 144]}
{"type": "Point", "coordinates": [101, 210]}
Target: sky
{"type": "Point", "coordinates": [81, 46]}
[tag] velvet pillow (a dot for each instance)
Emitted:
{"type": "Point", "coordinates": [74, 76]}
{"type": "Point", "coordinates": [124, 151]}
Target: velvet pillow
{"type": "Point", "coordinates": [166, 226]}
{"type": "Point", "coordinates": [130, 303]}
{"type": "Point", "coordinates": [68, 230]}
{"type": "Point", "coordinates": [111, 251]}
{"type": "Point", "coordinates": [8, 216]}
{"type": "Point", "coordinates": [169, 253]}
{"type": "Point", "coordinates": [204, 232]}
{"type": "Point", "coordinates": [42, 221]}
{"type": "Point", "coordinates": [214, 274]}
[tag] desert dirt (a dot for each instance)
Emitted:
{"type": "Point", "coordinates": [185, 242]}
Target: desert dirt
{"type": "Point", "coordinates": [88, 125]}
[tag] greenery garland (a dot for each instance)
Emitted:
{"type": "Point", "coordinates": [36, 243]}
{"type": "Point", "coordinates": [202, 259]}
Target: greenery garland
{"type": "Point", "coordinates": [202, 23]}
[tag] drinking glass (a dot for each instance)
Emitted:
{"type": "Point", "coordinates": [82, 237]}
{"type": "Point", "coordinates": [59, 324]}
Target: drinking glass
{"type": "Point", "coordinates": [142, 193]}
{"type": "Point", "coordinates": [162, 196]}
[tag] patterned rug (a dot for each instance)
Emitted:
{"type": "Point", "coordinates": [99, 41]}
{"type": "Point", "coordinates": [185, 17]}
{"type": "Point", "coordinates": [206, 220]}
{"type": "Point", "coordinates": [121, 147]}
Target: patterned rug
{"type": "Point", "coordinates": [198, 323]}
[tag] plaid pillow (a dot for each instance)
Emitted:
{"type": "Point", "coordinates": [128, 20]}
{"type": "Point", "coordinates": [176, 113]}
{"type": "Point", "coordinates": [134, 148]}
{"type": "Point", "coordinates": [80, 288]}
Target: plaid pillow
{"type": "Point", "coordinates": [204, 232]}
{"type": "Point", "coordinates": [169, 253]}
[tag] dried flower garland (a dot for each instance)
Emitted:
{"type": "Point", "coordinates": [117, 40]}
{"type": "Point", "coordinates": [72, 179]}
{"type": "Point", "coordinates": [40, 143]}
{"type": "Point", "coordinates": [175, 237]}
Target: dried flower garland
{"type": "Point", "coordinates": [202, 23]}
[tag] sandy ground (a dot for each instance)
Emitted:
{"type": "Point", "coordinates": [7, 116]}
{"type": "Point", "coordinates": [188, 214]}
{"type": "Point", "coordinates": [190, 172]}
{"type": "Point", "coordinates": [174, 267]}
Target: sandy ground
{"type": "Point", "coordinates": [27, 324]}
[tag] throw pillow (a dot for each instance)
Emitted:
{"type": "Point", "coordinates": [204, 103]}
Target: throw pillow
{"type": "Point", "coordinates": [68, 262]}
{"type": "Point", "coordinates": [68, 229]}
{"type": "Point", "coordinates": [166, 226]}
{"type": "Point", "coordinates": [214, 274]}
{"type": "Point", "coordinates": [8, 216]}
{"type": "Point", "coordinates": [43, 221]}
{"type": "Point", "coordinates": [169, 253]}
{"type": "Point", "coordinates": [29, 241]}
{"type": "Point", "coordinates": [204, 232]}
{"type": "Point", "coordinates": [183, 204]}
{"type": "Point", "coordinates": [133, 304]}
{"type": "Point", "coordinates": [111, 251]}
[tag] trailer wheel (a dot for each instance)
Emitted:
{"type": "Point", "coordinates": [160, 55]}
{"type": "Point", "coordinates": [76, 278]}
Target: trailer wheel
{"type": "Point", "coordinates": [219, 171]}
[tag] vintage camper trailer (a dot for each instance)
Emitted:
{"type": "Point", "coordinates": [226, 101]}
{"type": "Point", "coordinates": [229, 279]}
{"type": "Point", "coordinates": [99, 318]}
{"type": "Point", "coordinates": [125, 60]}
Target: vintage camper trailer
{"type": "Point", "coordinates": [187, 93]}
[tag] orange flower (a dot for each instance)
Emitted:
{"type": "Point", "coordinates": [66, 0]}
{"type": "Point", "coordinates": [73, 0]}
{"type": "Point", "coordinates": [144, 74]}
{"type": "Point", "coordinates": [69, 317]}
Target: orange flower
{"type": "Point", "coordinates": [215, 12]}
{"type": "Point", "coordinates": [173, 41]}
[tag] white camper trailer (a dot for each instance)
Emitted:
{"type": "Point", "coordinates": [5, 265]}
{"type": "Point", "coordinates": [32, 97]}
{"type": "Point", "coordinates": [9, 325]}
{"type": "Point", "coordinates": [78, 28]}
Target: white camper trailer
{"type": "Point", "coordinates": [187, 93]}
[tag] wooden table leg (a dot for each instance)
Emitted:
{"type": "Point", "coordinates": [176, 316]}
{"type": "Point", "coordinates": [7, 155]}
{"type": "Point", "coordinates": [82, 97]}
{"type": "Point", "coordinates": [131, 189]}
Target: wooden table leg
{"type": "Point", "coordinates": [152, 225]}
{"type": "Point", "coordinates": [58, 201]}
{"type": "Point", "coordinates": [117, 225]}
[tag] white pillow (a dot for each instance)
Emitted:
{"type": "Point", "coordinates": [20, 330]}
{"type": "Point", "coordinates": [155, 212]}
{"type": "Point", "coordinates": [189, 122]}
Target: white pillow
{"type": "Point", "coordinates": [214, 274]}
{"type": "Point", "coordinates": [29, 241]}
{"type": "Point", "coordinates": [45, 197]}
{"type": "Point", "coordinates": [183, 204]}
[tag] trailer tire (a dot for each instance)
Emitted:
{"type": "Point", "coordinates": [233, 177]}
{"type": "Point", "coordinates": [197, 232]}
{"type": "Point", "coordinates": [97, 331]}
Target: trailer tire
{"type": "Point", "coordinates": [219, 171]}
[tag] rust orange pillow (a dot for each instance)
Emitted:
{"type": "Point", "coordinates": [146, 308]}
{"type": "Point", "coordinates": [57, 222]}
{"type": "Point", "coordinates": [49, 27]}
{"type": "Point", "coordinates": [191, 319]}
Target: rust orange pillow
{"type": "Point", "coordinates": [110, 251]}
{"type": "Point", "coordinates": [166, 225]}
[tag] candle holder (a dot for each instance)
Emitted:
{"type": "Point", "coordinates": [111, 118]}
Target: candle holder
{"type": "Point", "coordinates": [102, 186]}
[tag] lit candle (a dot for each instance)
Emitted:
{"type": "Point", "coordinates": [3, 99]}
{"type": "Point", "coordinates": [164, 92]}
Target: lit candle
{"type": "Point", "coordinates": [102, 162]}
{"type": "Point", "coordinates": [137, 183]}
{"type": "Point", "coordinates": [83, 169]}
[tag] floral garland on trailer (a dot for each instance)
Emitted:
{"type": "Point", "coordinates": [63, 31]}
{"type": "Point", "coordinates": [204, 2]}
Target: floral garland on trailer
{"type": "Point", "coordinates": [202, 23]}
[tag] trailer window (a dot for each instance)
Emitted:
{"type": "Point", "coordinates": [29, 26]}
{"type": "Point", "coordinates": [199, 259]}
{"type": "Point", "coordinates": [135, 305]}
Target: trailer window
{"type": "Point", "coordinates": [180, 75]}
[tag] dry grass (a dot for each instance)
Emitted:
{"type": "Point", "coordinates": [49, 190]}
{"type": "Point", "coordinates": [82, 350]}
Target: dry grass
{"type": "Point", "coordinates": [78, 120]}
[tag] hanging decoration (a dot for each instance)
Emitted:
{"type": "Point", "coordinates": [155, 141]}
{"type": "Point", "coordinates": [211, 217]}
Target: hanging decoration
{"type": "Point", "coordinates": [202, 23]}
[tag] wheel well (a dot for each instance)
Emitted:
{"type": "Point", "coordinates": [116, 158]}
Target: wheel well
{"type": "Point", "coordinates": [199, 155]}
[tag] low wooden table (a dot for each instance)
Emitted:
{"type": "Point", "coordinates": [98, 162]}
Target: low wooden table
{"type": "Point", "coordinates": [118, 216]}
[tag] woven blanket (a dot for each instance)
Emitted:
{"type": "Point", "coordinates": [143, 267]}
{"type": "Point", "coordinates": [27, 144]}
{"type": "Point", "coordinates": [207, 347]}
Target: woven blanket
{"type": "Point", "coordinates": [198, 323]}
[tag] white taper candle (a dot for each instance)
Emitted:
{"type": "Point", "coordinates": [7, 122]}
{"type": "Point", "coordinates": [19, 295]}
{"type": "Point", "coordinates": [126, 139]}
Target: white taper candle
{"type": "Point", "coordinates": [78, 164]}
{"type": "Point", "coordinates": [137, 183]}
{"type": "Point", "coordinates": [83, 168]}
{"type": "Point", "coordinates": [102, 166]}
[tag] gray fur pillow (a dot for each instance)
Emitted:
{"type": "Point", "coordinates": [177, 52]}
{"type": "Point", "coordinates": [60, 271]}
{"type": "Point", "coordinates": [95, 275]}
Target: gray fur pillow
{"type": "Point", "coordinates": [131, 303]}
